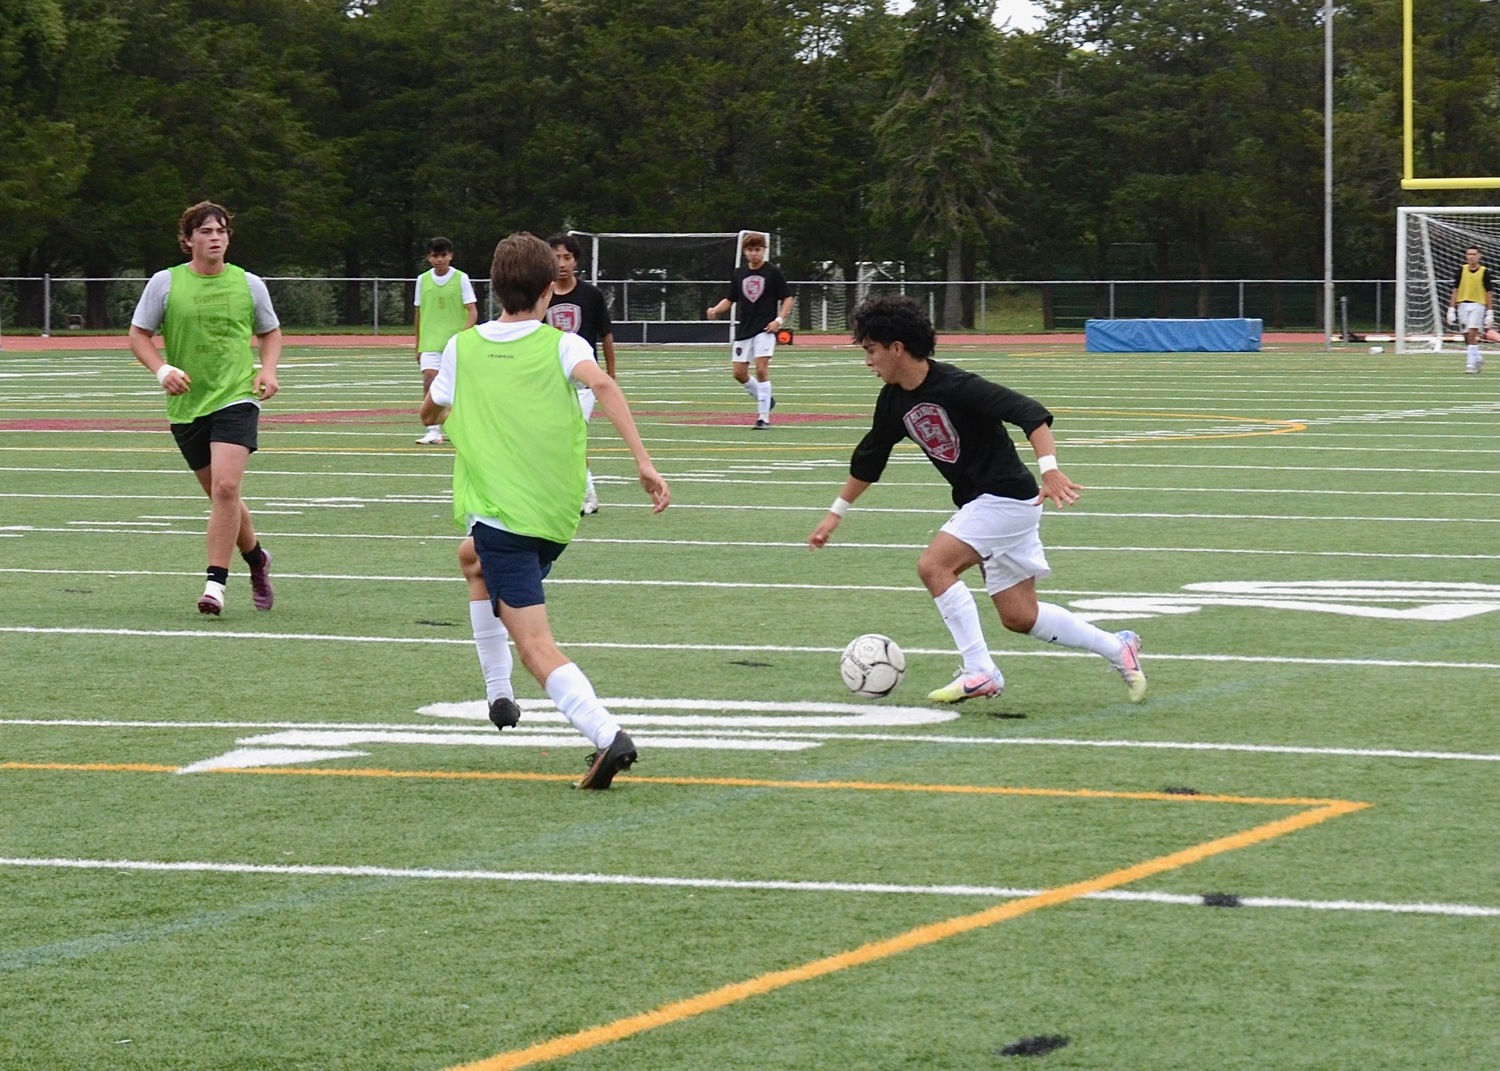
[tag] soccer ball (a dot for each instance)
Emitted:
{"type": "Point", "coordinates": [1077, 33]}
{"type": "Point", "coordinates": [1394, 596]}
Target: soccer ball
{"type": "Point", "coordinates": [872, 665]}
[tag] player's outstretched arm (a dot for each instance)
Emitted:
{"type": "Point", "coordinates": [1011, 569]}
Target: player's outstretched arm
{"type": "Point", "coordinates": [853, 488]}
{"type": "Point", "coordinates": [611, 399]}
{"type": "Point", "coordinates": [1055, 483]}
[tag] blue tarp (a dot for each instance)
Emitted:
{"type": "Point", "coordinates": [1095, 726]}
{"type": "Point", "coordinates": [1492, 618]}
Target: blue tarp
{"type": "Point", "coordinates": [1172, 336]}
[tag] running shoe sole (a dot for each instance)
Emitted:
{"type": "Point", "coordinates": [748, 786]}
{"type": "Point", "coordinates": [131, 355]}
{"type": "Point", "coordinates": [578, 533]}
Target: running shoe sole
{"type": "Point", "coordinates": [606, 762]}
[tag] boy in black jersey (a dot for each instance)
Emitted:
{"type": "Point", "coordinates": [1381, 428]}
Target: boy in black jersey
{"type": "Point", "coordinates": [762, 301]}
{"type": "Point", "coordinates": [956, 418]}
{"type": "Point", "coordinates": [579, 307]}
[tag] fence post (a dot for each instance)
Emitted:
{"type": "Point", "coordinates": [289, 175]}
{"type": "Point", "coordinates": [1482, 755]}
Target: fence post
{"type": "Point", "coordinates": [1242, 299]}
{"type": "Point", "coordinates": [1111, 299]}
{"type": "Point", "coordinates": [375, 303]}
{"type": "Point", "coordinates": [46, 304]}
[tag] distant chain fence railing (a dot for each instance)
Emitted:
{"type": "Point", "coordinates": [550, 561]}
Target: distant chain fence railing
{"type": "Point", "coordinates": [57, 304]}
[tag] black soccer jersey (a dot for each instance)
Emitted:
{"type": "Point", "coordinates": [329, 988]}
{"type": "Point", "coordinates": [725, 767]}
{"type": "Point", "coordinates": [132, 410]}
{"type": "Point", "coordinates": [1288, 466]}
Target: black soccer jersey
{"type": "Point", "coordinates": [757, 297]}
{"type": "Point", "coordinates": [956, 418]}
{"type": "Point", "coordinates": [582, 311]}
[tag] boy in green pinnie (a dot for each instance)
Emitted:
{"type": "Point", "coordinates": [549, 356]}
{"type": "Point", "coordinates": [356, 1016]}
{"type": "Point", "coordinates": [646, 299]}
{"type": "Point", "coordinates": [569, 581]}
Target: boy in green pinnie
{"type": "Point", "coordinates": [444, 305]}
{"type": "Point", "coordinates": [507, 391]}
{"type": "Point", "coordinates": [207, 310]}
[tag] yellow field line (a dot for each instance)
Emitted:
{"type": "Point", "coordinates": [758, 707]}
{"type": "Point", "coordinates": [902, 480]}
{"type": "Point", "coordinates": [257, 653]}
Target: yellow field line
{"type": "Point", "coordinates": [677, 1011]}
{"type": "Point", "coordinates": [711, 782]}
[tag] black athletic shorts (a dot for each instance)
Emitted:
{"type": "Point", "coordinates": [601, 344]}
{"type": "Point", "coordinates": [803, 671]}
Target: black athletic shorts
{"type": "Point", "coordinates": [514, 565]}
{"type": "Point", "coordinates": [235, 424]}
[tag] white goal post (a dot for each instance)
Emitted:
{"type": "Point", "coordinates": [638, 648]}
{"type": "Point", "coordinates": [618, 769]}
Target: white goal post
{"type": "Point", "coordinates": [1430, 244]}
{"type": "Point", "coordinates": [660, 284]}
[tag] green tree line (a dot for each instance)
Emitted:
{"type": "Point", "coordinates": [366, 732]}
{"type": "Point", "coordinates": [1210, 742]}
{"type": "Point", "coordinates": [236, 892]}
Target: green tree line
{"type": "Point", "coordinates": [1176, 139]}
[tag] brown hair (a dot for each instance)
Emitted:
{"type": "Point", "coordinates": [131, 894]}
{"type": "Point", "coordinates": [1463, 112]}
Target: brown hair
{"type": "Point", "coordinates": [523, 267]}
{"type": "Point", "coordinates": [754, 240]}
{"type": "Point", "coordinates": [195, 217]}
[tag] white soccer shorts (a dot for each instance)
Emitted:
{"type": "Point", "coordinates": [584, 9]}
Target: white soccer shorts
{"type": "Point", "coordinates": [428, 362]}
{"type": "Point", "coordinates": [1471, 315]}
{"type": "Point", "coordinates": [1006, 534]}
{"type": "Point", "coordinates": [748, 349]}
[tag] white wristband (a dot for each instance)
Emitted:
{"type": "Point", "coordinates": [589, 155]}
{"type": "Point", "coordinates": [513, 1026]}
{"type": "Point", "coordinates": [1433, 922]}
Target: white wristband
{"type": "Point", "coordinates": [840, 506]}
{"type": "Point", "coordinates": [1047, 463]}
{"type": "Point", "coordinates": [164, 371]}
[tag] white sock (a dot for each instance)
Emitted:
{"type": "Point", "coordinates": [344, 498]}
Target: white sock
{"type": "Point", "coordinates": [574, 695]}
{"type": "Point", "coordinates": [436, 429]}
{"type": "Point", "coordinates": [589, 486]}
{"type": "Point", "coordinates": [492, 642]}
{"type": "Point", "coordinates": [763, 400]}
{"type": "Point", "coordinates": [1056, 625]}
{"type": "Point", "coordinates": [752, 387]}
{"type": "Point", "coordinates": [961, 615]}
{"type": "Point", "coordinates": [1473, 355]}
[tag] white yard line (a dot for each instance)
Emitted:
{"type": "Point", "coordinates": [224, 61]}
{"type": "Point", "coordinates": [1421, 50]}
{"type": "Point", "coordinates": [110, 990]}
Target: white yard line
{"type": "Point", "coordinates": [217, 634]}
{"type": "Point", "coordinates": [725, 884]}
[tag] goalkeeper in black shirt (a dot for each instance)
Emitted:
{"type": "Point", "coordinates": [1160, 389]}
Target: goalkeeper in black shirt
{"type": "Point", "coordinates": [956, 418]}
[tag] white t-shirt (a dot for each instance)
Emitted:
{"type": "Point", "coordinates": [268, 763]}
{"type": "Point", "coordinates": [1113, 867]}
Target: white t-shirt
{"type": "Point", "coordinates": [151, 310]}
{"type": "Point", "coordinates": [466, 288]}
{"type": "Point", "coordinates": [571, 351]}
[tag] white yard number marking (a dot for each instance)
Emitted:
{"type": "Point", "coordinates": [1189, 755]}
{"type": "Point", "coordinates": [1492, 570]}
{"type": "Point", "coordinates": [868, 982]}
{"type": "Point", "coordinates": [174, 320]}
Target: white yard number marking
{"type": "Point", "coordinates": [704, 724]}
{"type": "Point", "coordinates": [1385, 600]}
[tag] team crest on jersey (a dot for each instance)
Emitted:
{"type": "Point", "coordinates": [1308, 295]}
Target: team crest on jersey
{"type": "Point", "coordinates": [929, 425]}
{"type": "Point", "coordinates": [754, 286]}
{"type": "Point", "coordinates": [565, 317]}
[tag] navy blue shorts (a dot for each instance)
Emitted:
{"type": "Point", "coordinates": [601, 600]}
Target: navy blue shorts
{"type": "Point", "coordinates": [514, 565]}
{"type": "Point", "coordinates": [237, 424]}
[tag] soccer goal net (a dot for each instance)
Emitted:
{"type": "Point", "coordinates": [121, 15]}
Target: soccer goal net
{"type": "Point", "coordinates": [1430, 245]}
{"type": "Point", "coordinates": [659, 286]}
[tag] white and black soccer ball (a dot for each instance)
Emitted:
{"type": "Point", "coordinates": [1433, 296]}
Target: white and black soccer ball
{"type": "Point", "coordinates": [872, 665]}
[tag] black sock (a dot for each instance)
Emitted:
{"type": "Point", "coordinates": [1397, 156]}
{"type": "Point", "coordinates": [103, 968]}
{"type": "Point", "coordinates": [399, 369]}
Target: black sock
{"type": "Point", "coordinates": [218, 574]}
{"type": "Point", "coordinates": [254, 556]}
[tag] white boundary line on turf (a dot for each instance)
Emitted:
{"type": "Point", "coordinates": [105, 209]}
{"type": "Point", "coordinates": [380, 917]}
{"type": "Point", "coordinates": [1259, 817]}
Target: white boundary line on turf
{"type": "Point", "coordinates": [727, 884]}
{"type": "Point", "coordinates": [58, 630]}
{"type": "Point", "coordinates": [266, 501]}
{"type": "Point", "coordinates": [105, 529]}
{"type": "Point", "coordinates": [438, 731]}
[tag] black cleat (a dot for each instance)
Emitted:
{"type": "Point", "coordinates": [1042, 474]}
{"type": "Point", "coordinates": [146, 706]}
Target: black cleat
{"type": "Point", "coordinates": [608, 761]}
{"type": "Point", "coordinates": [504, 713]}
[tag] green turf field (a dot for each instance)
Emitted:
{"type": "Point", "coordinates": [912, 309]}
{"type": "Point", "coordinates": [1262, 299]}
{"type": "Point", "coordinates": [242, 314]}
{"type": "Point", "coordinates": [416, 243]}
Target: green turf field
{"type": "Point", "coordinates": [1285, 859]}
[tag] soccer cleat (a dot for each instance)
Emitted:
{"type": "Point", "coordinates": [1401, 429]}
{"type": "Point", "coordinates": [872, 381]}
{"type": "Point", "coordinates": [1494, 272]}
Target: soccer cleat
{"type": "Point", "coordinates": [590, 503]}
{"type": "Point", "coordinates": [432, 438]}
{"type": "Point", "coordinates": [608, 761]}
{"type": "Point", "coordinates": [762, 424]}
{"type": "Point", "coordinates": [1129, 665]}
{"type": "Point", "coordinates": [261, 592]}
{"type": "Point", "coordinates": [504, 713]}
{"type": "Point", "coordinates": [212, 599]}
{"type": "Point", "coordinates": [979, 685]}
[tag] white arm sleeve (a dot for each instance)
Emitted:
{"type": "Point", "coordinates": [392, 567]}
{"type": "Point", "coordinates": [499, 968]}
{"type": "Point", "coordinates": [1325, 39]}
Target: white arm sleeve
{"type": "Point", "coordinates": [572, 350]}
{"type": "Point", "coordinates": [441, 391]}
{"type": "Point", "coordinates": [265, 316]}
{"type": "Point", "coordinates": [151, 310]}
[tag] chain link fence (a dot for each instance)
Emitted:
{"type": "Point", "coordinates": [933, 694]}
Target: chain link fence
{"type": "Point", "coordinates": [311, 304]}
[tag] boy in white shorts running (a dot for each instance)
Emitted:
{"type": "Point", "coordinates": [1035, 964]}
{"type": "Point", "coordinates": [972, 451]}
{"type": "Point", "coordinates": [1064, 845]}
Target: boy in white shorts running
{"type": "Point", "coordinates": [762, 301]}
{"type": "Point", "coordinates": [955, 417]}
